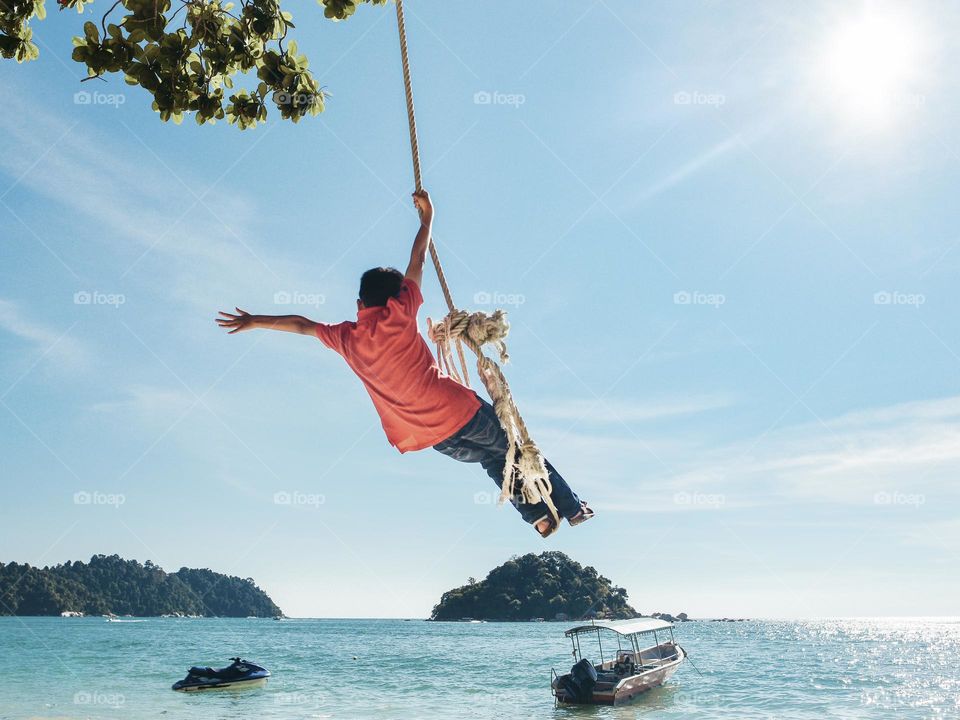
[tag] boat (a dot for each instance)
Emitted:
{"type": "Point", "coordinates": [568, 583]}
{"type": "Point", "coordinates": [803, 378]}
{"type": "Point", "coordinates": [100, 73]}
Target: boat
{"type": "Point", "coordinates": [239, 674]}
{"type": "Point", "coordinates": [640, 659]}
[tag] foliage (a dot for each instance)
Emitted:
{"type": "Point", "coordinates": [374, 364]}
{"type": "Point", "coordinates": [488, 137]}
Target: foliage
{"type": "Point", "coordinates": [536, 586]}
{"type": "Point", "coordinates": [110, 584]}
{"type": "Point", "coordinates": [15, 34]}
{"type": "Point", "coordinates": [189, 64]}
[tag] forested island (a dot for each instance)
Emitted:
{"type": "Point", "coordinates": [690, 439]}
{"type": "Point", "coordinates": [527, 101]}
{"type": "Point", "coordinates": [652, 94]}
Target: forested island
{"type": "Point", "coordinates": [110, 585]}
{"type": "Point", "coordinates": [548, 586]}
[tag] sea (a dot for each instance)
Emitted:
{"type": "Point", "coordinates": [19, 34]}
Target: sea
{"type": "Point", "coordinates": [812, 669]}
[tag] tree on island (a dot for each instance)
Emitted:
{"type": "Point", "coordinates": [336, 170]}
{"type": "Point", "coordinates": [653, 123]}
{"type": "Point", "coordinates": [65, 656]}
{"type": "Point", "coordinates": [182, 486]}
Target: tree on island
{"type": "Point", "coordinates": [186, 53]}
{"type": "Point", "coordinates": [109, 584]}
{"type": "Point", "coordinates": [549, 585]}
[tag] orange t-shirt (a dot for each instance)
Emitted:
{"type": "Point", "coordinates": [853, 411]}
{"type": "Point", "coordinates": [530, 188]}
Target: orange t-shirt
{"type": "Point", "coordinates": [418, 405]}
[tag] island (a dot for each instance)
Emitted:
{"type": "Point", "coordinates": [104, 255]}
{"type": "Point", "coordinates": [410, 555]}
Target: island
{"type": "Point", "coordinates": [110, 585]}
{"type": "Point", "coordinates": [548, 586]}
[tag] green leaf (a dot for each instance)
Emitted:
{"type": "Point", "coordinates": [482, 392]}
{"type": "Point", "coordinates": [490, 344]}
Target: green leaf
{"type": "Point", "coordinates": [90, 30]}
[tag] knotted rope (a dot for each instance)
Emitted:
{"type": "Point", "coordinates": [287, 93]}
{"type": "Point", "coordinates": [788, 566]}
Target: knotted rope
{"type": "Point", "coordinates": [525, 475]}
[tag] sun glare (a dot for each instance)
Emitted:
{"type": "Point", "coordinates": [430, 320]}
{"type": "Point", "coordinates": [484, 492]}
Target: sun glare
{"type": "Point", "coordinates": [871, 64]}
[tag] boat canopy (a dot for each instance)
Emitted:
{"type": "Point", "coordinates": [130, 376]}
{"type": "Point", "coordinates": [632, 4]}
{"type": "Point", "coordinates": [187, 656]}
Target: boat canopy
{"type": "Point", "coordinates": [635, 626]}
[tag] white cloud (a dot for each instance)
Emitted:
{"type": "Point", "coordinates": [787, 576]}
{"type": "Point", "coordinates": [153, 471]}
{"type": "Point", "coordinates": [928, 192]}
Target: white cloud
{"type": "Point", "coordinates": [911, 447]}
{"type": "Point", "coordinates": [148, 403]}
{"type": "Point", "coordinates": [940, 535]}
{"type": "Point", "coordinates": [53, 342]}
{"type": "Point", "coordinates": [908, 450]}
{"type": "Point", "coordinates": [609, 410]}
{"type": "Point", "coordinates": [142, 210]}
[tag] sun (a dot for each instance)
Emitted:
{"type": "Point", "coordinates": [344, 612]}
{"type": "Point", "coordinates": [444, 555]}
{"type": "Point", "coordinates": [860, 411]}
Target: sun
{"type": "Point", "coordinates": [871, 63]}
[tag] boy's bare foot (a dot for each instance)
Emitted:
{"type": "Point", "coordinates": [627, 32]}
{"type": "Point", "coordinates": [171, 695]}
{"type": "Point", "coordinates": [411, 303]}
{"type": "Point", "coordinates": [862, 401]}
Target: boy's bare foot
{"type": "Point", "coordinates": [581, 517]}
{"type": "Point", "coordinates": [546, 527]}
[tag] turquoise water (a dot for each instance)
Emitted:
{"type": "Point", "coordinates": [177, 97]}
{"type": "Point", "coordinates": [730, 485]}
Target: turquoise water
{"type": "Point", "coordinates": [88, 668]}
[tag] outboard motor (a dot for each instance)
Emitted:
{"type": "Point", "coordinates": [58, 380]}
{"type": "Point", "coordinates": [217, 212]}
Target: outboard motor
{"type": "Point", "coordinates": [585, 673]}
{"type": "Point", "coordinates": [582, 678]}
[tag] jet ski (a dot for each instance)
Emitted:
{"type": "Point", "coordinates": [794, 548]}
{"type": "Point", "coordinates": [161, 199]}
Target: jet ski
{"type": "Point", "coordinates": [237, 675]}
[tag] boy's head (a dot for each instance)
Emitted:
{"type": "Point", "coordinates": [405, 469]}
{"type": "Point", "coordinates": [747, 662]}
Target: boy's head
{"type": "Point", "coordinates": [378, 285]}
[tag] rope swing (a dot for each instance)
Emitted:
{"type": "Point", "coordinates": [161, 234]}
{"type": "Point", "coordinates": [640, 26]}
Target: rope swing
{"type": "Point", "coordinates": [525, 475]}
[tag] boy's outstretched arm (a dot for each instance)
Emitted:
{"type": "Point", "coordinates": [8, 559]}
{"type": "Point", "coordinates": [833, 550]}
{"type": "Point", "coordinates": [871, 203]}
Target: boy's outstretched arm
{"type": "Point", "coordinates": [421, 243]}
{"type": "Point", "coordinates": [245, 321]}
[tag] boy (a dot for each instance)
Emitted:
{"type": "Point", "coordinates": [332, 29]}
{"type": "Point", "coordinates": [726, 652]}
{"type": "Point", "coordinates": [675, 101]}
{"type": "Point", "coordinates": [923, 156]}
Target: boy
{"type": "Point", "coordinates": [418, 405]}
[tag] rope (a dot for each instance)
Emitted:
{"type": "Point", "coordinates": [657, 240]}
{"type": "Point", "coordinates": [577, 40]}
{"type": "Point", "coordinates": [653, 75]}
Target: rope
{"type": "Point", "coordinates": [525, 476]}
{"type": "Point", "coordinates": [417, 178]}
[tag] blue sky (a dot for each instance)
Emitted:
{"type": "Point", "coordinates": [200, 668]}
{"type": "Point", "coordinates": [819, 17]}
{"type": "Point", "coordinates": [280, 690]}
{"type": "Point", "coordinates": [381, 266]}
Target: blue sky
{"type": "Point", "coordinates": [725, 234]}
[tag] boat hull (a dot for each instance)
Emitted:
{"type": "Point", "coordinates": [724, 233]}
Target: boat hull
{"type": "Point", "coordinates": [239, 684]}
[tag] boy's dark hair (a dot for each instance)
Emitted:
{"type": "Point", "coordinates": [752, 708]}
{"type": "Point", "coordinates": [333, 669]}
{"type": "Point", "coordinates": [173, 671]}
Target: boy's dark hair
{"type": "Point", "coordinates": [377, 285]}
